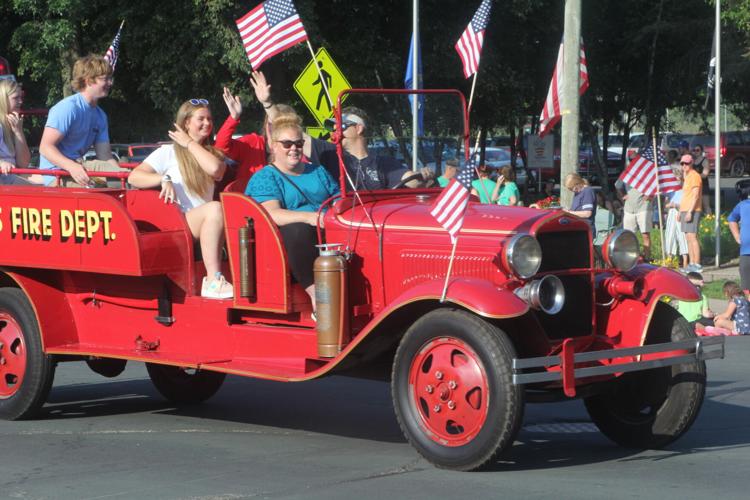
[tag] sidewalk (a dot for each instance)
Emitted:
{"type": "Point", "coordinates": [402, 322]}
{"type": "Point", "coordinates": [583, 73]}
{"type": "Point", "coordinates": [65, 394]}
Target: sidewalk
{"type": "Point", "coordinates": [727, 271]}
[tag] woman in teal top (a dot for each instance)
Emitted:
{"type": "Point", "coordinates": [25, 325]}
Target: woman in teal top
{"type": "Point", "coordinates": [506, 191]}
{"type": "Point", "coordinates": [483, 186]}
{"type": "Point", "coordinates": [292, 192]}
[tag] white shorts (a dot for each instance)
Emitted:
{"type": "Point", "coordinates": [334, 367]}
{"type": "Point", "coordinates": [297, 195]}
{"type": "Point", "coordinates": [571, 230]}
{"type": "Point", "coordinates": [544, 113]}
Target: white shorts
{"type": "Point", "coordinates": [638, 222]}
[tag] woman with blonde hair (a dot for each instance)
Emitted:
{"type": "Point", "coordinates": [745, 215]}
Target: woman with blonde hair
{"type": "Point", "coordinates": [186, 171]}
{"type": "Point", "coordinates": [14, 152]}
{"type": "Point", "coordinates": [292, 192]}
{"type": "Point", "coordinates": [584, 199]}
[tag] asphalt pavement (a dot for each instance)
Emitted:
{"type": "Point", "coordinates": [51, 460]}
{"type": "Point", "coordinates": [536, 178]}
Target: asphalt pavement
{"type": "Point", "coordinates": [337, 438]}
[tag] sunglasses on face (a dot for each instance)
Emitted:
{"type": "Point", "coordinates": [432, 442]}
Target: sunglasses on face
{"type": "Point", "coordinates": [696, 150]}
{"type": "Point", "coordinates": [287, 144]}
{"type": "Point", "coordinates": [346, 125]}
{"type": "Point", "coordinates": [196, 102]}
{"type": "Point", "coordinates": [685, 163]}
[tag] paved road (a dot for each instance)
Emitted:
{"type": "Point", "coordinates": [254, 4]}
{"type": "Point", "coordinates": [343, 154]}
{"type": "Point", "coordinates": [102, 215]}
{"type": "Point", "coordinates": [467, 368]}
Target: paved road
{"type": "Point", "coordinates": [338, 439]}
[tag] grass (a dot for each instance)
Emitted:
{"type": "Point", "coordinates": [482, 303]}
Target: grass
{"type": "Point", "coordinates": [714, 289]}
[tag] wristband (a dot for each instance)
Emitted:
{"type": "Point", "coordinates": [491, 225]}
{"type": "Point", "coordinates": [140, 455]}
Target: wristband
{"type": "Point", "coordinates": [166, 178]}
{"type": "Point", "coordinates": [267, 107]}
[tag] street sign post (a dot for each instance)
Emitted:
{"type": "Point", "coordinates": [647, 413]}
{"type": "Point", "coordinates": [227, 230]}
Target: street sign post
{"type": "Point", "coordinates": [310, 88]}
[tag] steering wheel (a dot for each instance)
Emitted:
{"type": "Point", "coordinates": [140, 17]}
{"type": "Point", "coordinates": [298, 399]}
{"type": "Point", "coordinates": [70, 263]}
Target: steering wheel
{"type": "Point", "coordinates": [406, 180]}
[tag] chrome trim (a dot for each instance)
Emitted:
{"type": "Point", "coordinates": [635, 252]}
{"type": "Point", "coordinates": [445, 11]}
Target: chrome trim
{"type": "Point", "coordinates": [698, 350]}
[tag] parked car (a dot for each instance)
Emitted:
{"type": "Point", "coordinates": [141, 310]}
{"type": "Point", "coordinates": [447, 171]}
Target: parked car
{"type": "Point", "coordinates": [499, 157]}
{"type": "Point", "coordinates": [667, 141]}
{"type": "Point", "coordinates": [136, 153]}
{"type": "Point", "coordinates": [735, 151]}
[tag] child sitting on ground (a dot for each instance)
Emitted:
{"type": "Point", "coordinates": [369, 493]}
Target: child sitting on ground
{"type": "Point", "coordinates": [697, 313]}
{"type": "Point", "coordinates": [736, 318]}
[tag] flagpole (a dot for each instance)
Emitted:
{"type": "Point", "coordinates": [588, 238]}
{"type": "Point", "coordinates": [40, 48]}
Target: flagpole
{"type": "Point", "coordinates": [455, 240]}
{"type": "Point", "coordinates": [320, 74]}
{"type": "Point", "coordinates": [414, 83]}
{"type": "Point", "coordinates": [717, 136]}
{"type": "Point", "coordinates": [473, 85]}
{"type": "Point", "coordinates": [658, 197]}
{"type": "Point", "coordinates": [450, 268]}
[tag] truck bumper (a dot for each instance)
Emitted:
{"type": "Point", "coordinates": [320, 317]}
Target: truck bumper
{"type": "Point", "coordinates": [562, 367]}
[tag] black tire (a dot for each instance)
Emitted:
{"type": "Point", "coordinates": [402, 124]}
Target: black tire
{"type": "Point", "coordinates": [737, 168]}
{"type": "Point", "coordinates": [184, 386]}
{"type": "Point", "coordinates": [26, 373]}
{"type": "Point", "coordinates": [488, 407]}
{"type": "Point", "coordinates": [652, 408]}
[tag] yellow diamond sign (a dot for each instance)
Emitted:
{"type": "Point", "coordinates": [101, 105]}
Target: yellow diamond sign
{"type": "Point", "coordinates": [310, 88]}
{"type": "Point", "coordinates": [319, 133]}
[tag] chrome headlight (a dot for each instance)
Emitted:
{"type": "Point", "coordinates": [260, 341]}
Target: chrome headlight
{"type": "Point", "coordinates": [621, 250]}
{"type": "Point", "coordinates": [523, 255]}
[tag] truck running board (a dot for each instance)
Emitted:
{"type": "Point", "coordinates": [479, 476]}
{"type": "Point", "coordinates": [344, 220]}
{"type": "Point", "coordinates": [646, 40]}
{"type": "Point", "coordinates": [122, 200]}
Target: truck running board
{"type": "Point", "coordinates": [562, 366]}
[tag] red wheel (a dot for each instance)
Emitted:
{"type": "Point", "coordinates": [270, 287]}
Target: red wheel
{"type": "Point", "coordinates": [450, 390]}
{"type": "Point", "coordinates": [26, 373]}
{"type": "Point", "coordinates": [12, 356]}
{"type": "Point", "coordinates": [453, 391]}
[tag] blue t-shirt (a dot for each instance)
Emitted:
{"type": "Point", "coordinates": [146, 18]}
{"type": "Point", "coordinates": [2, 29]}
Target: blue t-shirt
{"type": "Point", "coordinates": [742, 212]}
{"type": "Point", "coordinates": [269, 184]}
{"type": "Point", "coordinates": [585, 199]}
{"type": "Point", "coordinates": [81, 125]}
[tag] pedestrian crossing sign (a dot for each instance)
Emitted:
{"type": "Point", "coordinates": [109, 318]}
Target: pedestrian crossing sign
{"type": "Point", "coordinates": [310, 88]}
{"type": "Point", "coordinates": [319, 133]}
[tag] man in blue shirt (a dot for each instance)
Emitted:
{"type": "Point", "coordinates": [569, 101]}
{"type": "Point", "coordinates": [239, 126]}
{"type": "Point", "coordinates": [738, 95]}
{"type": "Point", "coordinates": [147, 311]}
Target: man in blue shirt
{"type": "Point", "coordinates": [741, 231]}
{"type": "Point", "coordinates": [76, 123]}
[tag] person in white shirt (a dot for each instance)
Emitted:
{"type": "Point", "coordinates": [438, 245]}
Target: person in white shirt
{"type": "Point", "coordinates": [186, 171]}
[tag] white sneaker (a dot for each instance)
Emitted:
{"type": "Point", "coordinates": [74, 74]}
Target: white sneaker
{"type": "Point", "coordinates": [217, 288]}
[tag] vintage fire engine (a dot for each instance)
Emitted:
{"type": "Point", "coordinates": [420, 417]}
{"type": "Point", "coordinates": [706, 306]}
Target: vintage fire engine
{"type": "Point", "coordinates": [108, 276]}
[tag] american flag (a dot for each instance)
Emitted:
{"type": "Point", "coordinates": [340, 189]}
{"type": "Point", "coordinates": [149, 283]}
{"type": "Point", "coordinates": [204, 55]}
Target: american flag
{"type": "Point", "coordinates": [469, 46]}
{"type": "Point", "coordinates": [450, 206]}
{"type": "Point", "coordinates": [641, 174]}
{"type": "Point", "coordinates": [114, 50]}
{"type": "Point", "coordinates": [270, 28]}
{"type": "Point", "coordinates": [551, 112]}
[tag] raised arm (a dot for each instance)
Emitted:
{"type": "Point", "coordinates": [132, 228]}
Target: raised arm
{"type": "Point", "coordinates": [23, 155]}
{"type": "Point", "coordinates": [210, 164]}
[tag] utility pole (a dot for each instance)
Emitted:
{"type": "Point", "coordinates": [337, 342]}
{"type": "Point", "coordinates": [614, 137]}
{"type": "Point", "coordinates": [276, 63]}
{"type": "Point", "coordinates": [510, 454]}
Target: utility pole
{"type": "Point", "coordinates": [569, 105]}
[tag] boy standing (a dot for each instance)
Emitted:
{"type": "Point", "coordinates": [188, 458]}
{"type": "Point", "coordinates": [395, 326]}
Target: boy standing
{"type": "Point", "coordinates": [741, 232]}
{"type": "Point", "coordinates": [690, 211]}
{"type": "Point", "coordinates": [77, 123]}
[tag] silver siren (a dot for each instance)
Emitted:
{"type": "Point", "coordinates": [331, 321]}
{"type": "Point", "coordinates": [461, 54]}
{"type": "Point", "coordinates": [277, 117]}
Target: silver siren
{"type": "Point", "coordinates": [546, 294]}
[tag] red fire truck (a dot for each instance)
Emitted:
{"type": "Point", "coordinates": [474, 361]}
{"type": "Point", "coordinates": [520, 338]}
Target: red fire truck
{"type": "Point", "coordinates": [526, 313]}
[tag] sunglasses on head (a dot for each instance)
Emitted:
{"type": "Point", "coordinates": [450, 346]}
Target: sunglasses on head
{"type": "Point", "coordinates": [196, 102]}
{"type": "Point", "coordinates": [286, 144]}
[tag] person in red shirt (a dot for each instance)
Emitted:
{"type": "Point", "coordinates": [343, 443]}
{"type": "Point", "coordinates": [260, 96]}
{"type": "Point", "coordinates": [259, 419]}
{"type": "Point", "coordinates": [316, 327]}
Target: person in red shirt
{"type": "Point", "coordinates": [248, 151]}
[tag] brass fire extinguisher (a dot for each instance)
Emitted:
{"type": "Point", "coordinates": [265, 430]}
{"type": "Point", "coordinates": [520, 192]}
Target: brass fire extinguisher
{"type": "Point", "coordinates": [331, 299]}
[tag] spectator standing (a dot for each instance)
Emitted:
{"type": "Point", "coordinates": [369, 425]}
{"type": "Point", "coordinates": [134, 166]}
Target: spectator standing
{"type": "Point", "coordinates": [484, 186]}
{"type": "Point", "coordinates": [637, 214]}
{"type": "Point", "coordinates": [703, 167]}
{"type": "Point", "coordinates": [77, 123]}
{"type": "Point", "coordinates": [683, 148]}
{"type": "Point", "coordinates": [675, 242]}
{"type": "Point", "coordinates": [741, 232]}
{"type": "Point", "coordinates": [690, 212]}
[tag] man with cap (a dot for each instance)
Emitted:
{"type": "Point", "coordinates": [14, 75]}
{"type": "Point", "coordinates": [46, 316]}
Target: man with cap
{"type": "Point", "coordinates": [690, 211]}
{"type": "Point", "coordinates": [365, 170]}
{"type": "Point", "coordinates": [637, 213]}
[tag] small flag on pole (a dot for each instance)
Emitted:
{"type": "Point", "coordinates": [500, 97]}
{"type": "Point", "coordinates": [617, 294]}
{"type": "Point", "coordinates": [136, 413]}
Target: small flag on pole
{"type": "Point", "coordinates": [469, 46]}
{"type": "Point", "coordinates": [450, 206]}
{"type": "Point", "coordinates": [270, 28]}
{"type": "Point", "coordinates": [641, 175]}
{"type": "Point", "coordinates": [114, 50]}
{"type": "Point", "coordinates": [711, 78]}
{"type": "Point", "coordinates": [551, 113]}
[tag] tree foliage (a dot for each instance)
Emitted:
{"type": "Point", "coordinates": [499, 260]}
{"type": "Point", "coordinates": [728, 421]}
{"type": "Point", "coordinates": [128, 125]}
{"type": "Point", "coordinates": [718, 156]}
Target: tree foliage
{"type": "Point", "coordinates": [173, 50]}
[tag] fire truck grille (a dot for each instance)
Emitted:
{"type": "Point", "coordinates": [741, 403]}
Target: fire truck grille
{"type": "Point", "coordinates": [564, 250]}
{"type": "Point", "coordinates": [574, 320]}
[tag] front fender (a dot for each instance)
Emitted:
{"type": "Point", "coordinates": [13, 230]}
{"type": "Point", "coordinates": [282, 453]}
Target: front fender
{"type": "Point", "coordinates": [626, 320]}
{"type": "Point", "coordinates": [478, 296]}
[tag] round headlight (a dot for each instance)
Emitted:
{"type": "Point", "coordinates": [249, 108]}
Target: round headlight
{"type": "Point", "coordinates": [621, 250]}
{"type": "Point", "coordinates": [523, 255]}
